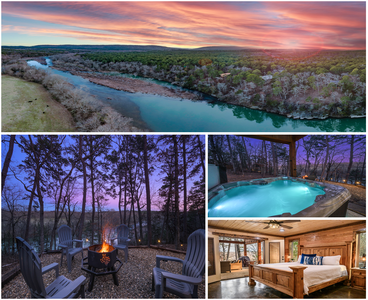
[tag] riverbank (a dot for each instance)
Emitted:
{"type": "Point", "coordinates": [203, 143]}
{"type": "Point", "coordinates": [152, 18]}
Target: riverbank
{"type": "Point", "coordinates": [27, 106]}
{"type": "Point", "coordinates": [133, 85]}
{"type": "Point", "coordinates": [303, 102]}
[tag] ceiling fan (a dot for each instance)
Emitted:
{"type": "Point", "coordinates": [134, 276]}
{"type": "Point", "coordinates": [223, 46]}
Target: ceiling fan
{"type": "Point", "coordinates": [276, 224]}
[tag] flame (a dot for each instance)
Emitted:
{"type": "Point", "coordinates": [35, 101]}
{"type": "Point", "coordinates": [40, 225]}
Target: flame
{"type": "Point", "coordinates": [105, 248]}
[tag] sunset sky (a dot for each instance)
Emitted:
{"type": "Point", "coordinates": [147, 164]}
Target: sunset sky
{"type": "Point", "coordinates": [269, 25]}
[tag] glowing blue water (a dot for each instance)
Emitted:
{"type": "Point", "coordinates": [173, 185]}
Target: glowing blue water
{"type": "Point", "coordinates": [276, 198]}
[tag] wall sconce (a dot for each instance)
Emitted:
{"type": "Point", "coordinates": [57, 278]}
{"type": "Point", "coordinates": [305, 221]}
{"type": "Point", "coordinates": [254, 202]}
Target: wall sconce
{"type": "Point", "coordinates": [363, 259]}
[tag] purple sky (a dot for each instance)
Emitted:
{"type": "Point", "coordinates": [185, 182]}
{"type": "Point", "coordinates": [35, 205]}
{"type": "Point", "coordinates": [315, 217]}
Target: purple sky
{"type": "Point", "coordinates": [155, 180]}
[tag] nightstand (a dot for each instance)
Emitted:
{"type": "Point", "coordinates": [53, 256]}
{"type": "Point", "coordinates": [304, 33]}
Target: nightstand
{"type": "Point", "coordinates": [358, 278]}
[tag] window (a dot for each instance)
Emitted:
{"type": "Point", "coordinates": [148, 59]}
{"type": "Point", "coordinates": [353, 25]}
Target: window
{"type": "Point", "coordinates": [361, 240]}
{"type": "Point", "coordinates": [252, 251]}
{"type": "Point", "coordinates": [230, 250]}
{"type": "Point", "coordinates": [294, 250]}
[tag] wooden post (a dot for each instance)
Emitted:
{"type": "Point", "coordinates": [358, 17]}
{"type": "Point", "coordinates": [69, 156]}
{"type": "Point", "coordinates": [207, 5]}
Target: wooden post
{"type": "Point", "coordinates": [259, 252]}
{"type": "Point", "coordinates": [251, 281]}
{"type": "Point", "coordinates": [298, 281]}
{"type": "Point", "coordinates": [292, 156]}
{"type": "Point", "coordinates": [348, 258]}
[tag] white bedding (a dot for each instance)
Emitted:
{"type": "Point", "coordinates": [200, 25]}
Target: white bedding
{"type": "Point", "coordinates": [313, 274]}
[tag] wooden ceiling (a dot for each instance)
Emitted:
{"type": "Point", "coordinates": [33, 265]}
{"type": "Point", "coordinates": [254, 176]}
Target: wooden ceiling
{"type": "Point", "coordinates": [304, 226]}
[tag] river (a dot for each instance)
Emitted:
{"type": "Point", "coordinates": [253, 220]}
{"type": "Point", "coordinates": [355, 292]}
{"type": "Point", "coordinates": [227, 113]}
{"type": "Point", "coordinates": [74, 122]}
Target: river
{"type": "Point", "coordinates": [166, 114]}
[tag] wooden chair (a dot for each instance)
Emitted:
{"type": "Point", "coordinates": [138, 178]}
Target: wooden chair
{"type": "Point", "coordinates": [66, 243]}
{"type": "Point", "coordinates": [123, 239]}
{"type": "Point", "coordinates": [185, 285]}
{"type": "Point", "coordinates": [32, 271]}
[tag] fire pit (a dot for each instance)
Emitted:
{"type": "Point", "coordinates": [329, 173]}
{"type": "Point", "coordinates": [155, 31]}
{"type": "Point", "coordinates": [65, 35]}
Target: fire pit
{"type": "Point", "coordinates": [101, 260]}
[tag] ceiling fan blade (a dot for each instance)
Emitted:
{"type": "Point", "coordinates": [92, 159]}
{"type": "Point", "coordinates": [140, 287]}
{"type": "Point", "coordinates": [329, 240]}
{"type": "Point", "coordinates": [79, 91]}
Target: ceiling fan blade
{"type": "Point", "coordinates": [290, 221]}
{"type": "Point", "coordinates": [268, 226]}
{"type": "Point", "coordinates": [287, 227]}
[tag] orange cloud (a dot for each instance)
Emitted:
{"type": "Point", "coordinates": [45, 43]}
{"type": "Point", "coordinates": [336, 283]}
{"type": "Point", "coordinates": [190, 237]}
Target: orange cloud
{"type": "Point", "coordinates": [194, 24]}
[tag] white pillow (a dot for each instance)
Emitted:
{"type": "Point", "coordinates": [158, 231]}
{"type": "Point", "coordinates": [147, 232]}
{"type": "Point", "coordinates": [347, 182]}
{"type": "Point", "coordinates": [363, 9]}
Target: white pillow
{"type": "Point", "coordinates": [299, 258]}
{"type": "Point", "coordinates": [331, 260]}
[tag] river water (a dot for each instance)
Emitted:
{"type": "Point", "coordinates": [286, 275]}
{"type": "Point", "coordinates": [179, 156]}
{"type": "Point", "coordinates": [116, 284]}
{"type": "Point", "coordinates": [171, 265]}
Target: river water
{"type": "Point", "coordinates": [166, 114]}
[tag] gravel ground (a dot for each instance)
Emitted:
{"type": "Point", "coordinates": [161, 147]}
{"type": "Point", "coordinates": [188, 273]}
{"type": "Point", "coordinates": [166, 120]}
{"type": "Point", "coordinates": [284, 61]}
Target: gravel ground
{"type": "Point", "coordinates": [134, 276]}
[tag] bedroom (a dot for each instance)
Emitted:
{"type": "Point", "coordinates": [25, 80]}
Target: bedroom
{"type": "Point", "coordinates": [270, 252]}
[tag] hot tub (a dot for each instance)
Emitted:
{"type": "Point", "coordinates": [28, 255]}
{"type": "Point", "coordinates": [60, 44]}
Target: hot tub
{"type": "Point", "coordinates": [278, 197]}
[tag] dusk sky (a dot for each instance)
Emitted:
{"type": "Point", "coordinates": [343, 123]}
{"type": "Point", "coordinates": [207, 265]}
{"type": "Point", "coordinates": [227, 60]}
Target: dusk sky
{"type": "Point", "coordinates": [268, 25]}
{"type": "Point", "coordinates": [155, 178]}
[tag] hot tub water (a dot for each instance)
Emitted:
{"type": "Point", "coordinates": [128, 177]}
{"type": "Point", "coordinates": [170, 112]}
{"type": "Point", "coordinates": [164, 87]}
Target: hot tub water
{"type": "Point", "coordinates": [274, 198]}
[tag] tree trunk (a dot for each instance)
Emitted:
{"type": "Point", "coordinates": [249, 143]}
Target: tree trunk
{"type": "Point", "coordinates": [362, 173]}
{"type": "Point", "coordinates": [201, 155]}
{"type": "Point", "coordinates": [177, 212]}
{"type": "Point", "coordinates": [265, 151]}
{"type": "Point", "coordinates": [185, 188]}
{"type": "Point", "coordinates": [4, 171]}
{"type": "Point", "coordinates": [231, 153]}
{"type": "Point", "coordinates": [323, 175]}
{"type": "Point", "coordinates": [40, 199]}
{"type": "Point", "coordinates": [352, 137]}
{"type": "Point", "coordinates": [274, 158]}
{"type": "Point", "coordinates": [81, 225]}
{"type": "Point", "coordinates": [246, 154]}
{"type": "Point", "coordinates": [148, 192]}
{"type": "Point", "coordinates": [26, 237]}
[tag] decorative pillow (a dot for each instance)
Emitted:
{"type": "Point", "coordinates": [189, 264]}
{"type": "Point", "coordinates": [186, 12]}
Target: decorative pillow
{"type": "Point", "coordinates": [299, 258]}
{"type": "Point", "coordinates": [317, 260]}
{"type": "Point", "coordinates": [331, 260]}
{"type": "Point", "coordinates": [306, 255]}
{"type": "Point", "coordinates": [308, 260]}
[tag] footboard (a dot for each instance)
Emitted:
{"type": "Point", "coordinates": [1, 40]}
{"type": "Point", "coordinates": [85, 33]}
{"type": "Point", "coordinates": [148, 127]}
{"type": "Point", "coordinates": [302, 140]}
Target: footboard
{"type": "Point", "coordinates": [290, 283]}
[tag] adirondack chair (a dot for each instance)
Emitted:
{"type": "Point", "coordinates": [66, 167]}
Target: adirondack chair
{"type": "Point", "coordinates": [185, 285]}
{"type": "Point", "coordinates": [123, 240]}
{"type": "Point", "coordinates": [32, 271]}
{"type": "Point", "coordinates": [66, 243]}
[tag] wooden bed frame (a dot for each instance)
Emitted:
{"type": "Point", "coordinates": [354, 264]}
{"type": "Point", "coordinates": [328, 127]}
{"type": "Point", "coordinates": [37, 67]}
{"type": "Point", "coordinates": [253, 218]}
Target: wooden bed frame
{"type": "Point", "coordinates": [291, 283]}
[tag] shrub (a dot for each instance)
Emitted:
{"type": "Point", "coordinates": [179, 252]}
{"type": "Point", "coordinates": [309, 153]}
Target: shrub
{"type": "Point", "coordinates": [316, 100]}
{"type": "Point", "coordinates": [88, 113]}
{"type": "Point", "coordinates": [308, 99]}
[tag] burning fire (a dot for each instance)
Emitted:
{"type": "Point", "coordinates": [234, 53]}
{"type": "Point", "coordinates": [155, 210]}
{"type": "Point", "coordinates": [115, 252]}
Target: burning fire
{"type": "Point", "coordinates": [105, 236]}
{"type": "Point", "coordinates": [305, 177]}
{"type": "Point", "coordinates": [105, 248]}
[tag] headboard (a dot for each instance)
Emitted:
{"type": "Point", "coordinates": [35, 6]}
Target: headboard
{"type": "Point", "coordinates": [343, 250]}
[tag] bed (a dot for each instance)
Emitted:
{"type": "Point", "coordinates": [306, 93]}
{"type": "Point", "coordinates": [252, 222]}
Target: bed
{"type": "Point", "coordinates": [297, 280]}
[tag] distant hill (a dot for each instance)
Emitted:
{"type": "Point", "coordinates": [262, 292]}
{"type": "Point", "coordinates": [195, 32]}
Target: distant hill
{"type": "Point", "coordinates": [223, 48]}
{"type": "Point", "coordinates": [91, 47]}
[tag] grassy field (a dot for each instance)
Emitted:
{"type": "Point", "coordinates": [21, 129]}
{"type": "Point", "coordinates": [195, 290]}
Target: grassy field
{"type": "Point", "coordinates": [23, 113]}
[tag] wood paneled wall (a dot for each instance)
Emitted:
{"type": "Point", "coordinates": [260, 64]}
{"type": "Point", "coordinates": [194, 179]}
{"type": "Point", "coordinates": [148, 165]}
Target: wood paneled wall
{"type": "Point", "coordinates": [328, 237]}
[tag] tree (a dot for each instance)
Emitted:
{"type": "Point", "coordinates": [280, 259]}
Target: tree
{"type": "Point", "coordinates": [4, 171]}
{"type": "Point", "coordinates": [148, 193]}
